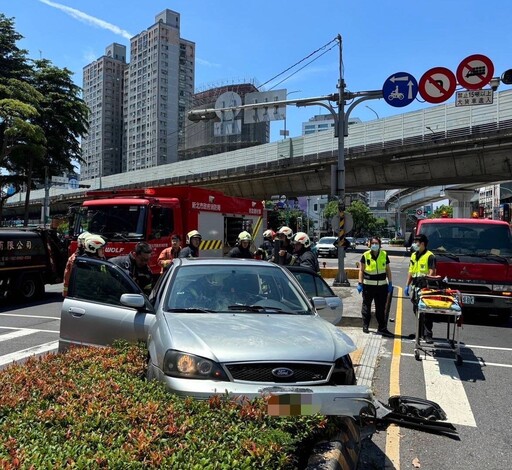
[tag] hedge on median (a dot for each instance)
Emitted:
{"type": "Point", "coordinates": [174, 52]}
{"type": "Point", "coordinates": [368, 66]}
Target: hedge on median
{"type": "Point", "coordinates": [92, 408]}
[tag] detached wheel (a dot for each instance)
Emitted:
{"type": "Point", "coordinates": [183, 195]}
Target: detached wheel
{"type": "Point", "coordinates": [30, 287]}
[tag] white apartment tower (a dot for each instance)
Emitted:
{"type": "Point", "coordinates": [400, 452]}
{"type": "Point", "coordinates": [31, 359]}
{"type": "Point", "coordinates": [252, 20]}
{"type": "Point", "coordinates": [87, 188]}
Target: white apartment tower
{"type": "Point", "coordinates": [103, 94]}
{"type": "Point", "coordinates": [159, 85]}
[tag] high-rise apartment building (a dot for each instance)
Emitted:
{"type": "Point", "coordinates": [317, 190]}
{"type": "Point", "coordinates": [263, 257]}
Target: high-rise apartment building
{"type": "Point", "coordinates": [159, 84]}
{"type": "Point", "coordinates": [103, 93]}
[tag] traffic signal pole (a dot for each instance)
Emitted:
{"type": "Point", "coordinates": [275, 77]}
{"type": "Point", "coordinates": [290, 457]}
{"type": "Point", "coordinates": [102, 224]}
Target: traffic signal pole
{"type": "Point", "coordinates": [341, 131]}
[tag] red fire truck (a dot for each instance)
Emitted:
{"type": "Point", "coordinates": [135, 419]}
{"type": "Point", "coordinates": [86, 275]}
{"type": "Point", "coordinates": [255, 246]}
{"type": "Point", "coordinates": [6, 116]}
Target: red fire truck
{"type": "Point", "coordinates": [475, 255]}
{"type": "Point", "coordinates": [127, 216]}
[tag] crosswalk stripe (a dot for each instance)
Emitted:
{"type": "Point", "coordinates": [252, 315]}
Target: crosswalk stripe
{"type": "Point", "coordinates": [19, 355]}
{"type": "Point", "coordinates": [16, 334]}
{"type": "Point", "coordinates": [443, 385]}
{"type": "Point", "coordinates": [478, 363]}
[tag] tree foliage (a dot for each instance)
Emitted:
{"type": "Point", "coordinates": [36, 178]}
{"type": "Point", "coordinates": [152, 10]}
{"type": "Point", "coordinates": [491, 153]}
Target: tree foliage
{"type": "Point", "coordinates": [442, 211]}
{"type": "Point", "coordinates": [42, 117]}
{"type": "Point", "coordinates": [365, 223]}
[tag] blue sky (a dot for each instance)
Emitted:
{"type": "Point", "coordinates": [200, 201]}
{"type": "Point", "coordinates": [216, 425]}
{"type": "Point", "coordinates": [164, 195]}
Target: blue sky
{"type": "Point", "coordinates": [238, 40]}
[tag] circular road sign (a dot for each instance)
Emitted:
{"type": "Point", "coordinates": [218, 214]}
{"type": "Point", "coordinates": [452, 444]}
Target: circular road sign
{"type": "Point", "coordinates": [419, 211]}
{"type": "Point", "coordinates": [400, 89]}
{"type": "Point", "coordinates": [229, 99]}
{"type": "Point", "coordinates": [475, 71]}
{"type": "Point", "coordinates": [437, 85]}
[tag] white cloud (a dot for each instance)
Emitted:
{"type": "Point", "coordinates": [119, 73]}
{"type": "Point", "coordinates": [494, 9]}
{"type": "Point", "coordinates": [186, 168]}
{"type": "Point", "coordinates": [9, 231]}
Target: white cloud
{"type": "Point", "coordinates": [206, 63]}
{"type": "Point", "coordinates": [88, 19]}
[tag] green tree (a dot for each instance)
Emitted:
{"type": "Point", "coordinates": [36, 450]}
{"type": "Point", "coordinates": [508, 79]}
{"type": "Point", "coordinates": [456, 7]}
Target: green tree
{"type": "Point", "coordinates": [442, 211]}
{"type": "Point", "coordinates": [19, 136]}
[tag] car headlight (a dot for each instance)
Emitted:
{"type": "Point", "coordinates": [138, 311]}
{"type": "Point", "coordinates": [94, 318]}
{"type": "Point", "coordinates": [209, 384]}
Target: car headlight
{"type": "Point", "coordinates": [502, 287]}
{"type": "Point", "coordinates": [190, 366]}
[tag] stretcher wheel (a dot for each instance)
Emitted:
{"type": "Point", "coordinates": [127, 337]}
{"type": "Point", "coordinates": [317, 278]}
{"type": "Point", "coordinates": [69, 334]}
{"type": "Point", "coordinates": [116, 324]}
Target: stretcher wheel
{"type": "Point", "coordinates": [417, 355]}
{"type": "Point", "coordinates": [459, 361]}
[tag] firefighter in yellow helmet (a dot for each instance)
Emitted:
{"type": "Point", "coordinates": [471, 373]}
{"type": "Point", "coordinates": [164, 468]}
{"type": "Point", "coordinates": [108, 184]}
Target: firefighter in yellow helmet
{"type": "Point", "coordinates": [192, 249]}
{"type": "Point", "coordinates": [242, 248]}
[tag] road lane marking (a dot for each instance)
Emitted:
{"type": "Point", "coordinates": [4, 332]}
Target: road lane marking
{"type": "Point", "coordinates": [23, 354]}
{"type": "Point", "coordinates": [393, 431]}
{"type": "Point", "coordinates": [443, 385]}
{"type": "Point", "coordinates": [28, 316]}
{"type": "Point", "coordinates": [35, 330]}
{"type": "Point", "coordinates": [17, 334]}
{"type": "Point", "coordinates": [478, 363]}
{"type": "Point", "coordinates": [474, 346]}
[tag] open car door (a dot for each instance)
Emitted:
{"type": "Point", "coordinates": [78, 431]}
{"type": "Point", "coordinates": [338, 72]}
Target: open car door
{"type": "Point", "coordinates": [103, 304]}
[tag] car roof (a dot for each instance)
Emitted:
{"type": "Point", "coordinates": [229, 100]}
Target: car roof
{"type": "Point", "coordinates": [227, 261]}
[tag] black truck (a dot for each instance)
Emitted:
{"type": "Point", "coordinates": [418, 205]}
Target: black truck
{"type": "Point", "coordinates": [29, 259]}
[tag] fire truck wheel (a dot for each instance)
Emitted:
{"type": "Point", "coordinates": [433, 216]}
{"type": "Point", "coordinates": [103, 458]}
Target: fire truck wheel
{"type": "Point", "coordinates": [30, 287]}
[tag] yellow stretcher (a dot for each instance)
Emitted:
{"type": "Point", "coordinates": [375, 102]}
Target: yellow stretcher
{"type": "Point", "coordinates": [433, 297]}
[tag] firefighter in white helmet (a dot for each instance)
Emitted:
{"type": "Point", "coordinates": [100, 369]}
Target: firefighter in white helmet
{"type": "Point", "coordinates": [266, 249]}
{"type": "Point", "coordinates": [302, 254]}
{"type": "Point", "coordinates": [283, 247]}
{"type": "Point", "coordinates": [80, 242]}
{"type": "Point", "coordinates": [192, 249]}
{"type": "Point", "coordinates": [242, 248]}
{"type": "Point", "coordinates": [94, 246]}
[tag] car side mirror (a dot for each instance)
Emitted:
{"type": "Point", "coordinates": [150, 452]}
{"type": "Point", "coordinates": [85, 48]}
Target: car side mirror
{"type": "Point", "coordinates": [319, 303]}
{"type": "Point", "coordinates": [133, 301]}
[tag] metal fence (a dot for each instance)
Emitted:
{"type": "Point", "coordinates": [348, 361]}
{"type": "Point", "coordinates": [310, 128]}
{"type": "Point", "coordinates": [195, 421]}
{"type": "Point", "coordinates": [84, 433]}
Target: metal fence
{"type": "Point", "coordinates": [415, 127]}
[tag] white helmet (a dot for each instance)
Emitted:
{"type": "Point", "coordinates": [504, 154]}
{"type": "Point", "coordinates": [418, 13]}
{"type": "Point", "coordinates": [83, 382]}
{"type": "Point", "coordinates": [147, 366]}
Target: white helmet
{"type": "Point", "coordinates": [287, 231]}
{"type": "Point", "coordinates": [269, 234]}
{"type": "Point", "coordinates": [302, 238]}
{"type": "Point", "coordinates": [244, 237]}
{"type": "Point", "coordinates": [82, 237]}
{"type": "Point", "coordinates": [193, 234]}
{"type": "Point", "coordinates": [93, 243]}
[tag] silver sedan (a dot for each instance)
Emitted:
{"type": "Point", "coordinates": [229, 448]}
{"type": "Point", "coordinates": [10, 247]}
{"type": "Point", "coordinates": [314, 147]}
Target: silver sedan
{"type": "Point", "coordinates": [217, 326]}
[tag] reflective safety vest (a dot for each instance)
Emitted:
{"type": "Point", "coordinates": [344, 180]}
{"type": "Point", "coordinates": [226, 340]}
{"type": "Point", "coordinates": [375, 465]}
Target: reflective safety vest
{"type": "Point", "coordinates": [375, 269]}
{"type": "Point", "coordinates": [419, 268]}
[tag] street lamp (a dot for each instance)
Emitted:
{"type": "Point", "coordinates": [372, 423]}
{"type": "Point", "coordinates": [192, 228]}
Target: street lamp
{"type": "Point", "coordinates": [284, 132]}
{"type": "Point", "coordinates": [371, 109]}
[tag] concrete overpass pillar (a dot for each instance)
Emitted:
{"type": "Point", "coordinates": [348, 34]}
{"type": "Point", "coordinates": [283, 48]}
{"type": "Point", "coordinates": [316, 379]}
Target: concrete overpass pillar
{"type": "Point", "coordinates": [460, 201]}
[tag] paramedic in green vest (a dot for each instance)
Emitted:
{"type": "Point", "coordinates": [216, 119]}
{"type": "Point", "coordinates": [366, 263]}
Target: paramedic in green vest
{"type": "Point", "coordinates": [375, 284]}
{"type": "Point", "coordinates": [423, 263]}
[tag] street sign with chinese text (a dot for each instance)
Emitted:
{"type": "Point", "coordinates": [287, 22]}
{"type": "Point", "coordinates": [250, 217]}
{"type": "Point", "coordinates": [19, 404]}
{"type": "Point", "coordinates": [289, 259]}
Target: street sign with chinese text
{"type": "Point", "coordinates": [474, 97]}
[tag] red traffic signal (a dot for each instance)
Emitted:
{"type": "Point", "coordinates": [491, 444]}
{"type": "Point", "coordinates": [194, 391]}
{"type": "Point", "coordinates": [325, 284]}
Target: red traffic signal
{"type": "Point", "coordinates": [506, 77]}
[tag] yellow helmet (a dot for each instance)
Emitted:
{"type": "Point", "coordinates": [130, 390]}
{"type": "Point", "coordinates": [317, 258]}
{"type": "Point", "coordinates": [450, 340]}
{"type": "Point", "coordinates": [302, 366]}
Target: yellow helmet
{"type": "Point", "coordinates": [193, 234]}
{"type": "Point", "coordinates": [244, 236]}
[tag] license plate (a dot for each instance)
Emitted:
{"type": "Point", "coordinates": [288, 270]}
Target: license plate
{"type": "Point", "coordinates": [468, 299]}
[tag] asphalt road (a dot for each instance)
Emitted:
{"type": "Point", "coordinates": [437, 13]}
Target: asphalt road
{"type": "Point", "coordinates": [476, 395]}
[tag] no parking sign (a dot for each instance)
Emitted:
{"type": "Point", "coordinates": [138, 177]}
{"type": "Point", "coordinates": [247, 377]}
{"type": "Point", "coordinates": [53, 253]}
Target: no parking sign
{"type": "Point", "coordinates": [475, 71]}
{"type": "Point", "coordinates": [437, 85]}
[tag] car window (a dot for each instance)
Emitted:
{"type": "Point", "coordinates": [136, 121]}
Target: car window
{"type": "Point", "coordinates": [323, 290]}
{"type": "Point", "coordinates": [307, 282]}
{"type": "Point", "coordinates": [99, 282]}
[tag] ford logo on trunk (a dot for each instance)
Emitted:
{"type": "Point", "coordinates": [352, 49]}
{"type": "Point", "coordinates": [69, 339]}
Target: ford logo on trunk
{"type": "Point", "coordinates": [282, 373]}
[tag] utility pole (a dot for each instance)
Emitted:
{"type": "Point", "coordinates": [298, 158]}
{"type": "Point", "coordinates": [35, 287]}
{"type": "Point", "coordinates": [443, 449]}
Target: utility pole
{"type": "Point", "coordinates": [340, 117]}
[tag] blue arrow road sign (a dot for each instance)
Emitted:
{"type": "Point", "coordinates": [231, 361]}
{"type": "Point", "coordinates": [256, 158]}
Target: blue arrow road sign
{"type": "Point", "coordinates": [400, 89]}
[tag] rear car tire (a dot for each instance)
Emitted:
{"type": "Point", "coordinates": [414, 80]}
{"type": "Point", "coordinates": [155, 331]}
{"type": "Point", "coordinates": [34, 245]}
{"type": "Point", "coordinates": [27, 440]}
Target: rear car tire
{"type": "Point", "coordinates": [30, 287]}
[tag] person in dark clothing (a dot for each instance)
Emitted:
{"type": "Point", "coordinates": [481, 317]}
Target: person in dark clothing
{"type": "Point", "coordinates": [283, 247]}
{"type": "Point", "coordinates": [243, 247]}
{"type": "Point", "coordinates": [375, 283]}
{"type": "Point", "coordinates": [136, 265]}
{"type": "Point", "coordinates": [266, 249]}
{"type": "Point", "coordinates": [192, 249]}
{"type": "Point", "coordinates": [302, 254]}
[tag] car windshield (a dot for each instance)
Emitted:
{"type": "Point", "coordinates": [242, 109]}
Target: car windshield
{"type": "Point", "coordinates": [327, 240]}
{"type": "Point", "coordinates": [262, 289]}
{"type": "Point", "coordinates": [113, 221]}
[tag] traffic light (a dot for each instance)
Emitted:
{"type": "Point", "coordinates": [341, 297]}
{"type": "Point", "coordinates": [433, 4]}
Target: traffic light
{"type": "Point", "coordinates": [506, 77]}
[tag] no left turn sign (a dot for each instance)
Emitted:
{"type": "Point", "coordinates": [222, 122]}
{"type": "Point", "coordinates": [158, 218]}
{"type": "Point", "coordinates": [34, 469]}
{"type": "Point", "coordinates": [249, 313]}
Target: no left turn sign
{"type": "Point", "coordinates": [437, 85]}
{"type": "Point", "coordinates": [475, 71]}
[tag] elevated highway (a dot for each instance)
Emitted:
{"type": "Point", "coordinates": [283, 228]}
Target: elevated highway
{"type": "Point", "coordinates": [441, 145]}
